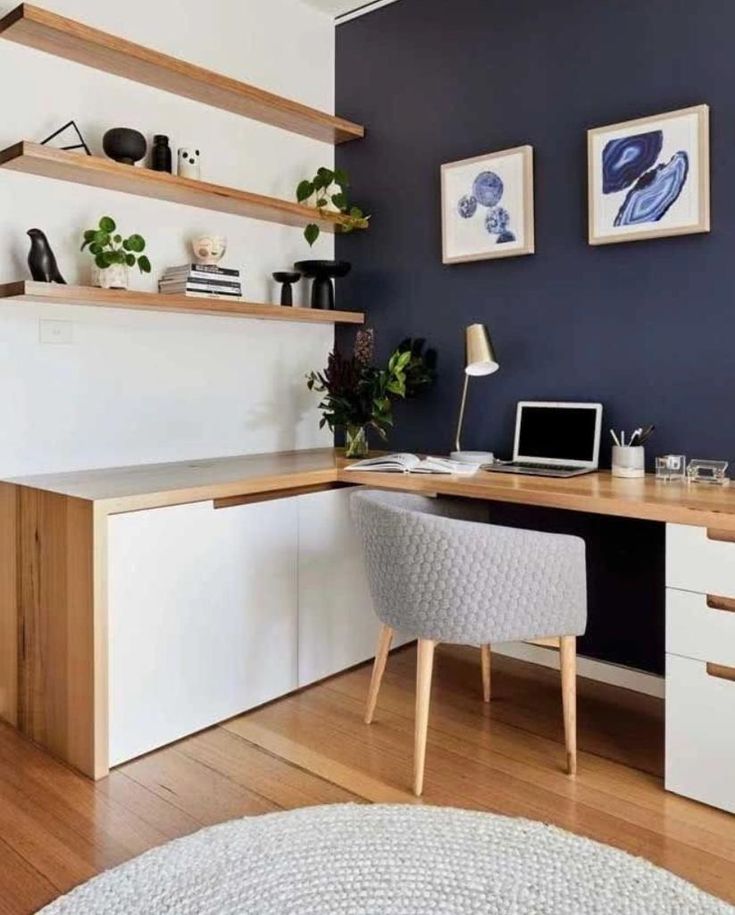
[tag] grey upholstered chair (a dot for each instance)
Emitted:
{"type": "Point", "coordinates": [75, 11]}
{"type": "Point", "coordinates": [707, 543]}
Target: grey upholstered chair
{"type": "Point", "coordinates": [445, 579]}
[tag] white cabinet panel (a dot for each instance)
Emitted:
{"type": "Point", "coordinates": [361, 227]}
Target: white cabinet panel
{"type": "Point", "coordinates": [337, 625]}
{"type": "Point", "coordinates": [695, 630]}
{"type": "Point", "coordinates": [202, 617]}
{"type": "Point", "coordinates": [696, 563]}
{"type": "Point", "coordinates": [700, 738]}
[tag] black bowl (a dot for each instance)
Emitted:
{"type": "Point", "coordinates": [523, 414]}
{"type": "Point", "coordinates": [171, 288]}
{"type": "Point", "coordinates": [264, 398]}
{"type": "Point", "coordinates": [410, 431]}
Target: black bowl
{"type": "Point", "coordinates": [286, 276]}
{"type": "Point", "coordinates": [323, 269]}
{"type": "Point", "coordinates": [123, 144]}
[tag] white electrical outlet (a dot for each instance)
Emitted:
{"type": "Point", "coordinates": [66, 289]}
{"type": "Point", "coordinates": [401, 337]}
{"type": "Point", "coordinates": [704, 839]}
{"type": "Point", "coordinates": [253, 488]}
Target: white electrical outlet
{"type": "Point", "coordinates": [55, 331]}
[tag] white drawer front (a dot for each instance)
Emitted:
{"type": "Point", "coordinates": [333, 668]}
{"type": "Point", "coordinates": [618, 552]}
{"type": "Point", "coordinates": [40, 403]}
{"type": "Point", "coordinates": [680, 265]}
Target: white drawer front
{"type": "Point", "coordinates": [700, 733]}
{"type": "Point", "coordinates": [696, 630]}
{"type": "Point", "coordinates": [696, 563]}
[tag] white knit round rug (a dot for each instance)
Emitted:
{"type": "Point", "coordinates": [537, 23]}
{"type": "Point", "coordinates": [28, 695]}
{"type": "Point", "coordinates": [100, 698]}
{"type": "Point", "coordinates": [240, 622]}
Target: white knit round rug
{"type": "Point", "coordinates": [386, 860]}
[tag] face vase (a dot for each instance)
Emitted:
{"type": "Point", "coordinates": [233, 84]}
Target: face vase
{"type": "Point", "coordinates": [188, 162]}
{"type": "Point", "coordinates": [208, 249]}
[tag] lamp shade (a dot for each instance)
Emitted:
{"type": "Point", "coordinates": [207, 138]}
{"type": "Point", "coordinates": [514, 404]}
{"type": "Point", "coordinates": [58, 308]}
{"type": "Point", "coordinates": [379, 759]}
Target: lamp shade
{"type": "Point", "coordinates": [479, 354]}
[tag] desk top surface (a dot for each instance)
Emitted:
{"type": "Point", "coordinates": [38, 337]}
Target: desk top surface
{"type": "Point", "coordinates": [121, 489]}
{"type": "Point", "coordinates": [154, 485]}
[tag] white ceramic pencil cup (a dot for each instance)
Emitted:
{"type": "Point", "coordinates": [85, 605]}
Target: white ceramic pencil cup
{"type": "Point", "coordinates": [629, 461]}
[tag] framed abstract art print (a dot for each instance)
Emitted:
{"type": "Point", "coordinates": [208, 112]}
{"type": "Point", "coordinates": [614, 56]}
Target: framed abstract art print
{"type": "Point", "coordinates": [487, 206]}
{"type": "Point", "coordinates": [649, 178]}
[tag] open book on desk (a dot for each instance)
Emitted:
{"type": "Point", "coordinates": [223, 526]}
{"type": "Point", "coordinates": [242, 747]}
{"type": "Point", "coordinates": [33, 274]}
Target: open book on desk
{"type": "Point", "coordinates": [412, 463]}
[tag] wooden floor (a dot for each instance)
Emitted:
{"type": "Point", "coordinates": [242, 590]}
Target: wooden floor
{"type": "Point", "coordinates": [58, 829]}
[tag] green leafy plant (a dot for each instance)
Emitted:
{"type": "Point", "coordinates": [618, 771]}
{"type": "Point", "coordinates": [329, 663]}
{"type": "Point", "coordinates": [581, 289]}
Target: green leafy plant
{"type": "Point", "coordinates": [359, 394]}
{"type": "Point", "coordinates": [109, 248]}
{"type": "Point", "coordinates": [329, 186]}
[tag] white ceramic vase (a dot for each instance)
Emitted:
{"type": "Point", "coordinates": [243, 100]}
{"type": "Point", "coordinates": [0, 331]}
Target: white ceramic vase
{"type": "Point", "coordinates": [117, 276]}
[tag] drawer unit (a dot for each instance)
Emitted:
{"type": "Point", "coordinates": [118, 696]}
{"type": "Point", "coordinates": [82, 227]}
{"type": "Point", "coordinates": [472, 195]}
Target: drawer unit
{"type": "Point", "coordinates": [700, 731]}
{"type": "Point", "coordinates": [696, 561]}
{"type": "Point", "coordinates": [700, 664]}
{"type": "Point", "coordinates": [700, 626]}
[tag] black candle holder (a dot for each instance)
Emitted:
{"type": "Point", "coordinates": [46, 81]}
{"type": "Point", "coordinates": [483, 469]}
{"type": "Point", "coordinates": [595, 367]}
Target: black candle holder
{"type": "Point", "coordinates": [287, 278]}
{"type": "Point", "coordinates": [322, 273]}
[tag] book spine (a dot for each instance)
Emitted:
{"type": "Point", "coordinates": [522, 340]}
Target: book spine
{"type": "Point", "coordinates": [205, 280]}
{"type": "Point", "coordinates": [171, 271]}
{"type": "Point", "coordinates": [202, 287]}
{"type": "Point", "coordinates": [204, 268]}
{"type": "Point", "coordinates": [185, 290]}
{"type": "Point", "coordinates": [211, 295]}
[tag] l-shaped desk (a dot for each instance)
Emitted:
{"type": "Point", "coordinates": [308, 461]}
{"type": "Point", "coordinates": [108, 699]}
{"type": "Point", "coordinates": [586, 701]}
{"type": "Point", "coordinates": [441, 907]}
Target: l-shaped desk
{"type": "Point", "coordinates": [135, 602]}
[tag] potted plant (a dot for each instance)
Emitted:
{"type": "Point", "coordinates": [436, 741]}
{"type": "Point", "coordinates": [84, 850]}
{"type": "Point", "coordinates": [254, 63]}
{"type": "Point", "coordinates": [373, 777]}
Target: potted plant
{"type": "Point", "coordinates": [114, 255]}
{"type": "Point", "coordinates": [359, 395]}
{"type": "Point", "coordinates": [327, 192]}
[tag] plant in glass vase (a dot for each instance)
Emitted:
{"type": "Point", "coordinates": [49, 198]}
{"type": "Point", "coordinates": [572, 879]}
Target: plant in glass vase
{"type": "Point", "coordinates": [359, 394]}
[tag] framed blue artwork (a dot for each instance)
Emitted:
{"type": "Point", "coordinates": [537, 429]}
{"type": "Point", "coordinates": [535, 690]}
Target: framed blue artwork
{"type": "Point", "coordinates": [649, 178]}
{"type": "Point", "coordinates": [487, 206]}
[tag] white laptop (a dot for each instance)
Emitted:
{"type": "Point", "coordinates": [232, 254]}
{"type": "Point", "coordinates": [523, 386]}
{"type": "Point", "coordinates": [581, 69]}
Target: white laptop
{"type": "Point", "coordinates": [554, 439]}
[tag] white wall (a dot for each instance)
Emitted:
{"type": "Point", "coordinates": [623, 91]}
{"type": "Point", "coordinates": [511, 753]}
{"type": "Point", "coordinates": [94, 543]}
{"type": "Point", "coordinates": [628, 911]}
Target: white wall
{"type": "Point", "coordinates": [143, 387]}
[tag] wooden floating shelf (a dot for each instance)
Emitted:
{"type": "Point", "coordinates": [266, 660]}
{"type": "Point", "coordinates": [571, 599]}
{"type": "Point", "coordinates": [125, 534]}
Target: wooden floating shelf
{"type": "Point", "coordinates": [54, 293]}
{"type": "Point", "coordinates": [38, 28]}
{"type": "Point", "coordinates": [36, 159]}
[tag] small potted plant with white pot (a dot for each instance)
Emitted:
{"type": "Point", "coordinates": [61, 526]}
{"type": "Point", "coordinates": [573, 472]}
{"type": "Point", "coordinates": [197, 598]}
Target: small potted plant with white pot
{"type": "Point", "coordinates": [114, 255]}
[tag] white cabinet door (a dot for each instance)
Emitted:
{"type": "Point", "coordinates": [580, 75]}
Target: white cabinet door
{"type": "Point", "coordinates": [337, 625]}
{"type": "Point", "coordinates": [202, 618]}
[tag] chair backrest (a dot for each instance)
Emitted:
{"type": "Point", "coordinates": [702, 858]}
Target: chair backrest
{"type": "Point", "coordinates": [437, 576]}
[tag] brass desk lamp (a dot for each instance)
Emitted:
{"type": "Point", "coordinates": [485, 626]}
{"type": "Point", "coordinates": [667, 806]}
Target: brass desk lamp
{"type": "Point", "coordinates": [479, 360]}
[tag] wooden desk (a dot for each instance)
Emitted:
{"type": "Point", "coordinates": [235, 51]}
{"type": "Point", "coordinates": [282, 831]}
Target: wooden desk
{"type": "Point", "coordinates": [598, 493]}
{"type": "Point", "coordinates": [65, 540]}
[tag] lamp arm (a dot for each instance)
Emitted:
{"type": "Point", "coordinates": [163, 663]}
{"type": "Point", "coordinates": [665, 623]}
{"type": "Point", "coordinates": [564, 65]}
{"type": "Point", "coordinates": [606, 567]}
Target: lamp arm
{"type": "Point", "coordinates": [460, 420]}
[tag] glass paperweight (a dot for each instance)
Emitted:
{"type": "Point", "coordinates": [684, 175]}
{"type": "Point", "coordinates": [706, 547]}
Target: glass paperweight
{"type": "Point", "coordinates": [700, 471]}
{"type": "Point", "coordinates": [671, 468]}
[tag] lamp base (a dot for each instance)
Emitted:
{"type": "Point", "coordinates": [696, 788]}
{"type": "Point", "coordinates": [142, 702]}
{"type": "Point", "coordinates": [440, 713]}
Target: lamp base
{"type": "Point", "coordinates": [473, 457]}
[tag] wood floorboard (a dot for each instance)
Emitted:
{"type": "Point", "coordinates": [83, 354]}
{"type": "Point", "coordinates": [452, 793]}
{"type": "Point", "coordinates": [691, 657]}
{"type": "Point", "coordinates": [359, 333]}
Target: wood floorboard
{"type": "Point", "coordinates": [58, 828]}
{"type": "Point", "coordinates": [22, 888]}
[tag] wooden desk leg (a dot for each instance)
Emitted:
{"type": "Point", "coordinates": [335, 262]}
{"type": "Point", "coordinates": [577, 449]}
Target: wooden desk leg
{"type": "Point", "coordinates": [51, 606]}
{"type": "Point", "coordinates": [568, 661]}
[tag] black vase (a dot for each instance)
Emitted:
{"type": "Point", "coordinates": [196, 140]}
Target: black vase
{"type": "Point", "coordinates": [123, 144]}
{"type": "Point", "coordinates": [161, 154]}
{"type": "Point", "coordinates": [286, 278]}
{"type": "Point", "coordinates": [321, 273]}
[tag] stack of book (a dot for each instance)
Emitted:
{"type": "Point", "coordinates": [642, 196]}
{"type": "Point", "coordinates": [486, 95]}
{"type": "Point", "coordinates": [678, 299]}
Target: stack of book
{"type": "Point", "coordinates": [204, 280]}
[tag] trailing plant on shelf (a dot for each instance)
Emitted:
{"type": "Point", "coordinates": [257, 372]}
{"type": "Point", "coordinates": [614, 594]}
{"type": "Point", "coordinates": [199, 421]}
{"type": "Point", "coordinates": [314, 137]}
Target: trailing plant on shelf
{"type": "Point", "coordinates": [328, 189]}
{"type": "Point", "coordinates": [114, 255]}
{"type": "Point", "coordinates": [360, 395]}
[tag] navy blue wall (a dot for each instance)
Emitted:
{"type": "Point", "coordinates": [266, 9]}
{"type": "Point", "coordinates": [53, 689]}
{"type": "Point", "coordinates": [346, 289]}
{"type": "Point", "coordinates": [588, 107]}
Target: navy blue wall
{"type": "Point", "coordinates": [646, 327]}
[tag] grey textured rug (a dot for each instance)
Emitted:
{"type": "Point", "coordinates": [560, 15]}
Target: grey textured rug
{"type": "Point", "coordinates": [374, 860]}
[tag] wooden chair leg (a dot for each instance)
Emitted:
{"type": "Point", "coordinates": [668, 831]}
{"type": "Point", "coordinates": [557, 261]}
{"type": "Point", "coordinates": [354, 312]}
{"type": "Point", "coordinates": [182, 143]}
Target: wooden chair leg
{"type": "Point", "coordinates": [568, 663]}
{"type": "Point", "coordinates": [424, 667]}
{"type": "Point", "coordinates": [485, 657]}
{"type": "Point", "coordinates": [385, 637]}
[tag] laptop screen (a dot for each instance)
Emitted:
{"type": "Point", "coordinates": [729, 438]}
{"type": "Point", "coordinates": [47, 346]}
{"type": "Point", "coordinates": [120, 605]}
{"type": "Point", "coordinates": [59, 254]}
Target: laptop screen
{"type": "Point", "coordinates": [558, 432]}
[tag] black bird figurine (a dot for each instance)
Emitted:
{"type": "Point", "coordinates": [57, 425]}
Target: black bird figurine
{"type": "Point", "coordinates": [41, 259]}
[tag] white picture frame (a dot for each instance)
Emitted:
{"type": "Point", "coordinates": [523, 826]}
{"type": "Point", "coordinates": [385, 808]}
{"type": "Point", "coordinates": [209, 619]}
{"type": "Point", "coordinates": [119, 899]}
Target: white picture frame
{"type": "Point", "coordinates": [487, 206]}
{"type": "Point", "coordinates": [622, 160]}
